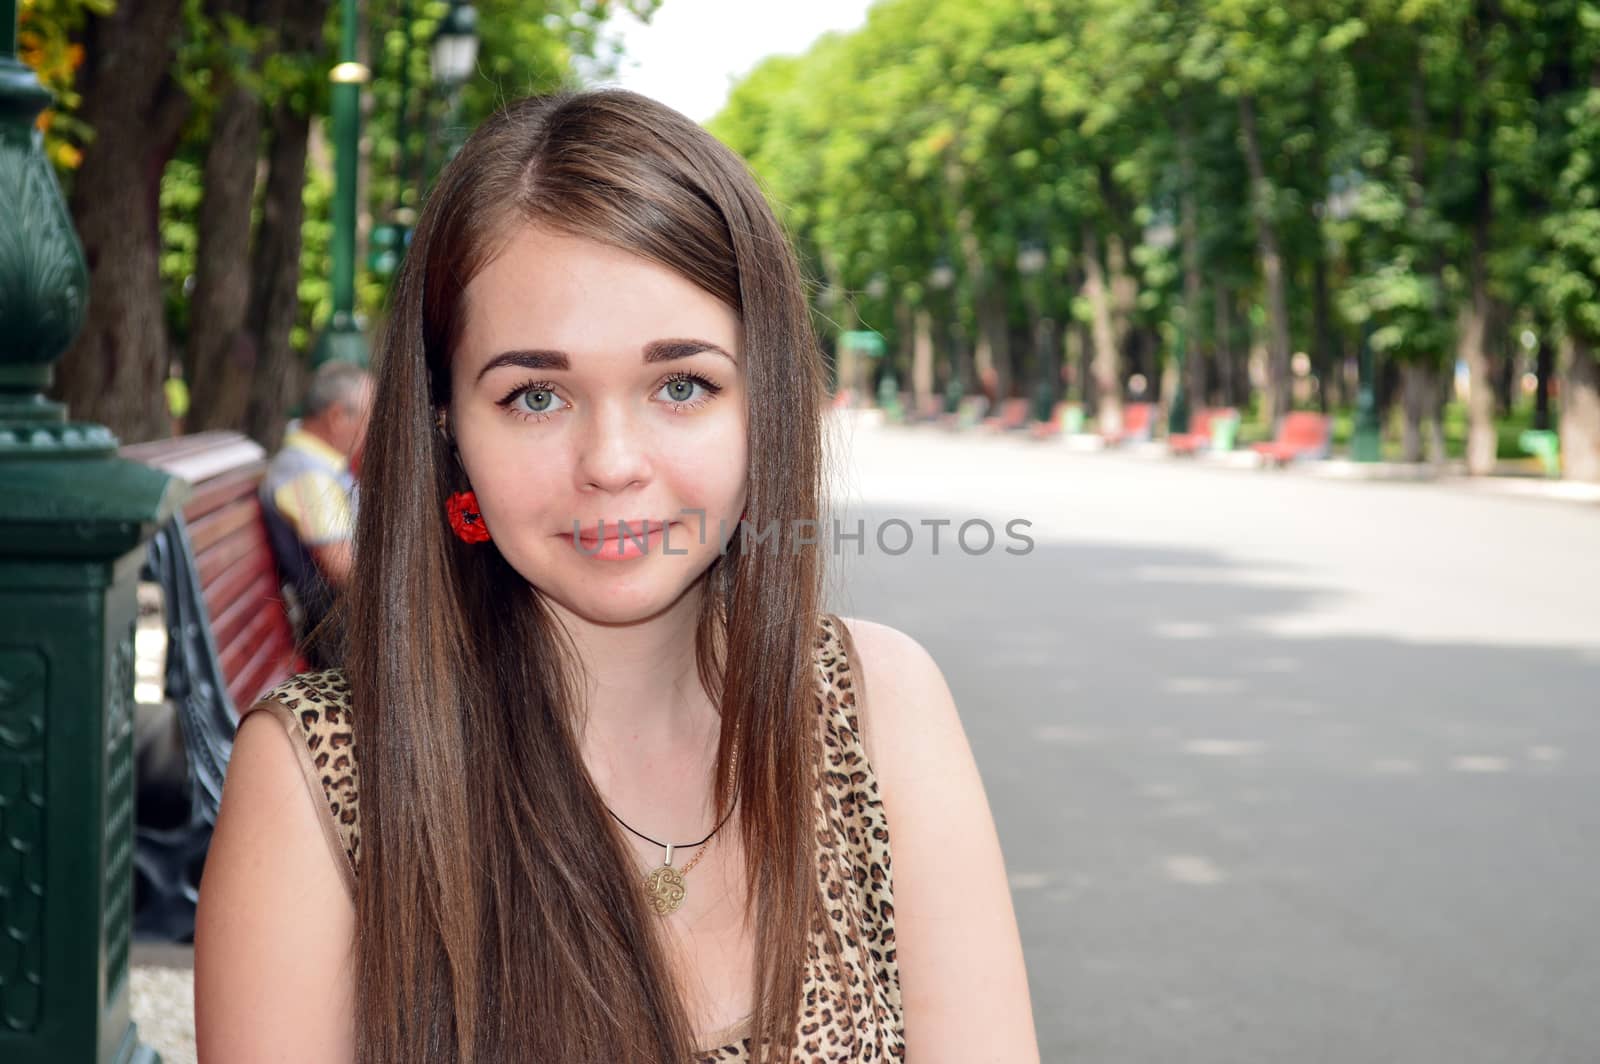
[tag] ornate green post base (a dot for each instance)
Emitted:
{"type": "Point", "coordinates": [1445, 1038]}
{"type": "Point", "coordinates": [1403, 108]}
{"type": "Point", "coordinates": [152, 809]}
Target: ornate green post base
{"type": "Point", "coordinates": [72, 531]}
{"type": "Point", "coordinates": [73, 519]}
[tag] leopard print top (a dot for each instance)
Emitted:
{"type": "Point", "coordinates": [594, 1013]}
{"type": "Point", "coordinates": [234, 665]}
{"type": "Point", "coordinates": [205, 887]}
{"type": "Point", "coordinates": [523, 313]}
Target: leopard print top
{"type": "Point", "coordinates": [853, 1014]}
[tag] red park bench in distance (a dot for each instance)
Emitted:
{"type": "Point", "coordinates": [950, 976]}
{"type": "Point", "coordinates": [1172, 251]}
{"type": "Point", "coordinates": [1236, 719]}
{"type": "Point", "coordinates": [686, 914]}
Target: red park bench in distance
{"type": "Point", "coordinates": [1198, 438]}
{"type": "Point", "coordinates": [1137, 421]}
{"type": "Point", "coordinates": [1013, 415]}
{"type": "Point", "coordinates": [1301, 434]}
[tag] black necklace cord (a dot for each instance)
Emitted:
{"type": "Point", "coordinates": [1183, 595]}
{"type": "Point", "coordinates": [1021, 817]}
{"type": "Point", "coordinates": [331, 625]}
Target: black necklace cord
{"type": "Point", "coordinates": [673, 846]}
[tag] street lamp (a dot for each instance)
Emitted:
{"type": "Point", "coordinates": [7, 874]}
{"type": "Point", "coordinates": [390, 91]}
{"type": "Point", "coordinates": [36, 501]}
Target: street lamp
{"type": "Point", "coordinates": [1032, 258]}
{"type": "Point", "coordinates": [942, 279]}
{"type": "Point", "coordinates": [454, 53]}
{"type": "Point", "coordinates": [1162, 235]}
{"type": "Point", "coordinates": [1366, 441]}
{"type": "Point", "coordinates": [341, 339]}
{"type": "Point", "coordinates": [454, 56]}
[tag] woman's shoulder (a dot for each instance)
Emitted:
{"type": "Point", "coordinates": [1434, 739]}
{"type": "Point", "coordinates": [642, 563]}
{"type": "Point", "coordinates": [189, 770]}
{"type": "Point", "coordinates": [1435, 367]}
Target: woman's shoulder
{"type": "Point", "coordinates": [275, 919]}
{"type": "Point", "coordinates": [895, 682]}
{"type": "Point", "coordinates": [315, 709]}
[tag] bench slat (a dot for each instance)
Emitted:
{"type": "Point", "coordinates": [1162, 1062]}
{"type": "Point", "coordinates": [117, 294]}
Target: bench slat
{"type": "Point", "coordinates": [227, 521]}
{"type": "Point", "coordinates": [231, 582]}
{"type": "Point", "coordinates": [243, 647]}
{"type": "Point", "coordinates": [224, 554]}
{"type": "Point", "coordinates": [273, 662]}
{"type": "Point", "coordinates": [199, 457]}
{"type": "Point", "coordinates": [212, 495]}
{"type": "Point", "coordinates": [259, 597]}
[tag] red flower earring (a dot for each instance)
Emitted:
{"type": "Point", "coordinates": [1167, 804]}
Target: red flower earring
{"type": "Point", "coordinates": [466, 520]}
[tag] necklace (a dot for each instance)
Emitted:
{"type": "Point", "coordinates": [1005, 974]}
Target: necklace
{"type": "Point", "coordinates": [664, 884]}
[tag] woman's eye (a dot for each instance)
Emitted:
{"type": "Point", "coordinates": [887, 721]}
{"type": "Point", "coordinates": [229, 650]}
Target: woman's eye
{"type": "Point", "coordinates": [680, 390]}
{"type": "Point", "coordinates": [538, 401]}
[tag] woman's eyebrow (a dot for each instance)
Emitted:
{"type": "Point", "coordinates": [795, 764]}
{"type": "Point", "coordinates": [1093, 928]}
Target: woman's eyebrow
{"type": "Point", "coordinates": [654, 351]}
{"type": "Point", "coordinates": [667, 350]}
{"type": "Point", "coordinates": [527, 360]}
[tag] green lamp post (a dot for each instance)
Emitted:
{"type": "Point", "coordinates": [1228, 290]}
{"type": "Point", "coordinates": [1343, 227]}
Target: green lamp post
{"type": "Point", "coordinates": [1032, 259]}
{"type": "Point", "coordinates": [1365, 442]}
{"type": "Point", "coordinates": [342, 339]}
{"type": "Point", "coordinates": [1178, 412]}
{"type": "Point", "coordinates": [73, 522]}
{"type": "Point", "coordinates": [942, 279]}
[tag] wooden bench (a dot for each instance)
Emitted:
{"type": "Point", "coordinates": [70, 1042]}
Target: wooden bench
{"type": "Point", "coordinates": [1301, 434]}
{"type": "Point", "coordinates": [1054, 425]}
{"type": "Point", "coordinates": [228, 640]}
{"type": "Point", "coordinates": [929, 408]}
{"type": "Point", "coordinates": [1137, 421]}
{"type": "Point", "coordinates": [970, 411]}
{"type": "Point", "coordinates": [1013, 415]}
{"type": "Point", "coordinates": [1198, 438]}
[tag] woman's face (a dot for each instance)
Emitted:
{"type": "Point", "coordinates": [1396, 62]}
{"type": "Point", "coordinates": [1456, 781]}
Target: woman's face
{"type": "Point", "coordinates": [588, 386]}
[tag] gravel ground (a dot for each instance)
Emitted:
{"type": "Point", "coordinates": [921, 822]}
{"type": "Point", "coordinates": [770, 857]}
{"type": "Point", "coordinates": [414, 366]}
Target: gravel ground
{"type": "Point", "coordinates": [163, 1009]}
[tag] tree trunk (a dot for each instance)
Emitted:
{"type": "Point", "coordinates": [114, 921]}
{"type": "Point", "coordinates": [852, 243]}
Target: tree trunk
{"type": "Point", "coordinates": [905, 343]}
{"type": "Point", "coordinates": [1580, 410]}
{"type": "Point", "coordinates": [113, 371]}
{"type": "Point", "coordinates": [1276, 394]}
{"type": "Point", "coordinates": [1227, 370]}
{"type": "Point", "coordinates": [1022, 368]}
{"type": "Point", "coordinates": [1504, 350]}
{"type": "Point", "coordinates": [279, 377]}
{"type": "Point", "coordinates": [1085, 366]}
{"type": "Point", "coordinates": [1104, 367]}
{"type": "Point", "coordinates": [275, 279]}
{"type": "Point", "coordinates": [1443, 384]}
{"type": "Point", "coordinates": [1482, 440]}
{"type": "Point", "coordinates": [1324, 350]}
{"type": "Point", "coordinates": [1416, 384]}
{"type": "Point", "coordinates": [1544, 369]}
{"type": "Point", "coordinates": [922, 359]}
{"type": "Point", "coordinates": [1324, 347]}
{"type": "Point", "coordinates": [1193, 282]}
{"type": "Point", "coordinates": [220, 364]}
{"type": "Point", "coordinates": [1123, 286]}
{"type": "Point", "coordinates": [999, 364]}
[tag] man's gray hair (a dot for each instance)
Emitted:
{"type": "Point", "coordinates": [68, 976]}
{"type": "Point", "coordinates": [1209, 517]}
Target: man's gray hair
{"type": "Point", "coordinates": [333, 382]}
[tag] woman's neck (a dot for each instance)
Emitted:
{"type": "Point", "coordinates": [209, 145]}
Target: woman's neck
{"type": "Point", "coordinates": [643, 686]}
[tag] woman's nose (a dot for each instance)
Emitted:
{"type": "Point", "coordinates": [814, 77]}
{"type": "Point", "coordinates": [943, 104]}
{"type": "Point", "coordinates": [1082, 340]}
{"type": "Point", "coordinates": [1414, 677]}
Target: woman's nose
{"type": "Point", "coordinates": [613, 451]}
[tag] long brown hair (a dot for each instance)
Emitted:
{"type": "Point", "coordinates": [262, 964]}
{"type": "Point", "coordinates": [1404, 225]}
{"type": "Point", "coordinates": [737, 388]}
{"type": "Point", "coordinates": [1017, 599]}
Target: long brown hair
{"type": "Point", "coordinates": [499, 915]}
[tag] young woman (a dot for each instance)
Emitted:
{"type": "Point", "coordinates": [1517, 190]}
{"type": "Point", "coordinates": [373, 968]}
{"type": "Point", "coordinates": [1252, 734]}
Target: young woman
{"type": "Point", "coordinates": [592, 793]}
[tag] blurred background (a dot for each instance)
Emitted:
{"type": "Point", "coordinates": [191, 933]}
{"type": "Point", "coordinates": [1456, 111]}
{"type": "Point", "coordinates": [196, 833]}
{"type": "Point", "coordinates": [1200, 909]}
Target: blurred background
{"type": "Point", "coordinates": [1276, 321]}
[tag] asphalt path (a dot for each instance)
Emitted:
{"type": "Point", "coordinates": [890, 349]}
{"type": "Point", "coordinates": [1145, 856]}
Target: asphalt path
{"type": "Point", "coordinates": [1285, 769]}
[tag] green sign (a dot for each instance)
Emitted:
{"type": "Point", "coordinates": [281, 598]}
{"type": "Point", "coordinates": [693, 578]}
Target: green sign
{"type": "Point", "coordinates": [868, 342]}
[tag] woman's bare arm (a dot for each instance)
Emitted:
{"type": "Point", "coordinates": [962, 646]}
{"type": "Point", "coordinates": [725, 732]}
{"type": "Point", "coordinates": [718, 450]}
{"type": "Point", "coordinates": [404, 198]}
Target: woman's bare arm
{"type": "Point", "coordinates": [275, 927]}
{"type": "Point", "coordinates": [963, 983]}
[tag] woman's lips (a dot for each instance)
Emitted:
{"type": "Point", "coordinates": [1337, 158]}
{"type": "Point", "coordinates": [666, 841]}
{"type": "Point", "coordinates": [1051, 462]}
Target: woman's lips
{"type": "Point", "coordinates": [616, 546]}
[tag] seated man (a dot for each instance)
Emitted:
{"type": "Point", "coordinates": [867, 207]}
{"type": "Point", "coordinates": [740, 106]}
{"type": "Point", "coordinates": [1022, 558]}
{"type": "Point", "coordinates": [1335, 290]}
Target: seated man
{"type": "Point", "coordinates": [308, 498]}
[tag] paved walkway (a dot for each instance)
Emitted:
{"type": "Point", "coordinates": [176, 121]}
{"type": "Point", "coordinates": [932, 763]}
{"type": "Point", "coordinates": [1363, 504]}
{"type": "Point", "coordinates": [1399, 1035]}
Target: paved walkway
{"type": "Point", "coordinates": [1285, 768]}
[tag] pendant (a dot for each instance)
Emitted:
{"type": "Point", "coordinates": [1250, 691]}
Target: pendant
{"type": "Point", "coordinates": [665, 888]}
